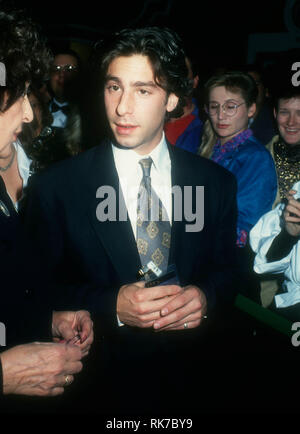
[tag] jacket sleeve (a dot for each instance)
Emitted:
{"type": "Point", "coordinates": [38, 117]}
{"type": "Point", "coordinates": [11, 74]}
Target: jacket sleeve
{"type": "Point", "coordinates": [220, 281]}
{"type": "Point", "coordinates": [44, 225]}
{"type": "Point", "coordinates": [257, 187]}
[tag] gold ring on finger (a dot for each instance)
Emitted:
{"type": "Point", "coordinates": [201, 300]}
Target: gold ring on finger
{"type": "Point", "coordinates": [68, 380]}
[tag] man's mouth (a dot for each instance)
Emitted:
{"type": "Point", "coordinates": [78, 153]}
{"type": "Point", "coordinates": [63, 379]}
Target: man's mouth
{"type": "Point", "coordinates": [125, 129]}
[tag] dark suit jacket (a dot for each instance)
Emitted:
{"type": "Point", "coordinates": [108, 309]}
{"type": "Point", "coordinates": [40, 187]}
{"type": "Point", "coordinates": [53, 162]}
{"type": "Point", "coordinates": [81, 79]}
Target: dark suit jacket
{"type": "Point", "coordinates": [87, 261]}
{"type": "Point", "coordinates": [22, 311]}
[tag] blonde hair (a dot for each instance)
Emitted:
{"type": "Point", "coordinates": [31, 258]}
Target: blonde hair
{"type": "Point", "coordinates": [208, 141]}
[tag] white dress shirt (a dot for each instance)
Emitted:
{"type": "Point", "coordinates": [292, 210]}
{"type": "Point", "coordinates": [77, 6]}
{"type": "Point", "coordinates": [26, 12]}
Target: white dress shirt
{"type": "Point", "coordinates": [24, 169]}
{"type": "Point", "coordinates": [59, 118]}
{"type": "Point", "coordinates": [130, 175]}
{"type": "Point", "coordinates": [261, 238]}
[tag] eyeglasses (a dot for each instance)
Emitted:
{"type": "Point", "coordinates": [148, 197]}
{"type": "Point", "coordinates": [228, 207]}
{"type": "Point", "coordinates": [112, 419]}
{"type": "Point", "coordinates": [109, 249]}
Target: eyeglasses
{"type": "Point", "coordinates": [229, 108]}
{"type": "Point", "coordinates": [56, 69]}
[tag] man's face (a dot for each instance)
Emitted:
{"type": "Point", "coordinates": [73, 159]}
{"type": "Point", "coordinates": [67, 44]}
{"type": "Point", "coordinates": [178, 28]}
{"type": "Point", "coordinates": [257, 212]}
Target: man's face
{"type": "Point", "coordinates": [288, 120]}
{"type": "Point", "coordinates": [135, 104]}
{"type": "Point", "coordinates": [60, 77]}
{"type": "Point", "coordinates": [11, 122]}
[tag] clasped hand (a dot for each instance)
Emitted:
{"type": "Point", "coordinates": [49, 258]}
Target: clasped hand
{"type": "Point", "coordinates": [167, 307]}
{"type": "Point", "coordinates": [67, 325]}
{"type": "Point", "coordinates": [292, 215]}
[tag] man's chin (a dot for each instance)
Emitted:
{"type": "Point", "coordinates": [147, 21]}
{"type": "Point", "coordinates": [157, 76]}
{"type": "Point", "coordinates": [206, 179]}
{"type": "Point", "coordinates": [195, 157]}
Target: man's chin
{"type": "Point", "coordinates": [123, 144]}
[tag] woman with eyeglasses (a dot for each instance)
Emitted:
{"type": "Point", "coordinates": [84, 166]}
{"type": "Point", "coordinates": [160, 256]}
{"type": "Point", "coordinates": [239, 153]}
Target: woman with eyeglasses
{"type": "Point", "coordinates": [230, 103]}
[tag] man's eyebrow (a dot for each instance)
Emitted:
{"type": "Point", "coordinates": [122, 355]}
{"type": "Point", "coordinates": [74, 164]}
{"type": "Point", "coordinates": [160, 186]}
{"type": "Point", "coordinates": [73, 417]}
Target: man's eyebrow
{"type": "Point", "coordinates": [145, 83]}
{"type": "Point", "coordinates": [135, 84]}
{"type": "Point", "coordinates": [112, 78]}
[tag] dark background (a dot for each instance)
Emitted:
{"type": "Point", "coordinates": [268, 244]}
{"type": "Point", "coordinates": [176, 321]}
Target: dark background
{"type": "Point", "coordinates": [217, 32]}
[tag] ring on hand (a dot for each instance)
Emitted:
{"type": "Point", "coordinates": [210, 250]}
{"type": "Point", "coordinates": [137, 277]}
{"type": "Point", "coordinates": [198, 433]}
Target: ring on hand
{"type": "Point", "coordinates": [185, 325]}
{"type": "Point", "coordinates": [68, 380]}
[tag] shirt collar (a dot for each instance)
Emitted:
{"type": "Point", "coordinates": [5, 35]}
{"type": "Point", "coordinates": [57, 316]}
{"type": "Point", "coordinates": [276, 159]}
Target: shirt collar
{"type": "Point", "coordinates": [23, 162]}
{"type": "Point", "coordinates": [219, 151]}
{"type": "Point", "coordinates": [129, 158]}
{"type": "Point", "coordinates": [60, 104]}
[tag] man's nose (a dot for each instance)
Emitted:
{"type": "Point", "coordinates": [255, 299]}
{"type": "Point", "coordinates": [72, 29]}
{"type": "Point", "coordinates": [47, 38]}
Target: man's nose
{"type": "Point", "coordinates": [125, 104]}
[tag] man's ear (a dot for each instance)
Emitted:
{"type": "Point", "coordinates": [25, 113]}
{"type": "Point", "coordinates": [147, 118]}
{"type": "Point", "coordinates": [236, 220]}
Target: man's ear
{"type": "Point", "coordinates": [172, 102]}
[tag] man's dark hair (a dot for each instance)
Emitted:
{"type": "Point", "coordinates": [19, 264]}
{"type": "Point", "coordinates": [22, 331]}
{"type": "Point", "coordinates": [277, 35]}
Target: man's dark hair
{"type": "Point", "coordinates": [164, 49]}
{"type": "Point", "coordinates": [24, 54]}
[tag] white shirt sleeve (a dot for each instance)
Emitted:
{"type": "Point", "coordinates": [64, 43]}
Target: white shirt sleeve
{"type": "Point", "coordinates": [262, 236]}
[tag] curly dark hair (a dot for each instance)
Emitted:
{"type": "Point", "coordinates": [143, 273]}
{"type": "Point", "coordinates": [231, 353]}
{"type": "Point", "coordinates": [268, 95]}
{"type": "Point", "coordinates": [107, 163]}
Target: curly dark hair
{"type": "Point", "coordinates": [24, 54]}
{"type": "Point", "coordinates": [164, 49]}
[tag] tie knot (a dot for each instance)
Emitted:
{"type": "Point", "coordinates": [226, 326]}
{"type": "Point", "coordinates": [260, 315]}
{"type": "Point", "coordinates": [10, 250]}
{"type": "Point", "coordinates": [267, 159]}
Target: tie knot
{"type": "Point", "coordinates": [146, 166]}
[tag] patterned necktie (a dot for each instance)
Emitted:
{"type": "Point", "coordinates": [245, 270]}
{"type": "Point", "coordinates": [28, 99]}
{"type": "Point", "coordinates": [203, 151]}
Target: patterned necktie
{"type": "Point", "coordinates": [153, 226]}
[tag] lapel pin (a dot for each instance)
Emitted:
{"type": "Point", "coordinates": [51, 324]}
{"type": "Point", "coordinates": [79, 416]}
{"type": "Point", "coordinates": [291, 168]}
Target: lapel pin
{"type": "Point", "coordinates": [4, 209]}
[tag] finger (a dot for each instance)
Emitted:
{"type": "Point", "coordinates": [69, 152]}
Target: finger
{"type": "Point", "coordinates": [85, 351]}
{"type": "Point", "coordinates": [153, 308]}
{"type": "Point", "coordinates": [83, 324]}
{"type": "Point", "coordinates": [294, 205]}
{"type": "Point", "coordinates": [56, 391]}
{"type": "Point", "coordinates": [83, 346]}
{"type": "Point", "coordinates": [292, 211]}
{"type": "Point", "coordinates": [179, 314]}
{"type": "Point", "coordinates": [73, 367]}
{"type": "Point", "coordinates": [290, 194]}
{"type": "Point", "coordinates": [190, 321]}
{"type": "Point", "coordinates": [157, 292]}
{"type": "Point", "coordinates": [147, 320]}
{"type": "Point", "coordinates": [73, 353]}
{"type": "Point", "coordinates": [87, 330]}
{"type": "Point", "coordinates": [175, 303]}
{"type": "Point", "coordinates": [66, 331]}
{"type": "Point", "coordinates": [76, 367]}
{"type": "Point", "coordinates": [189, 294]}
{"type": "Point", "coordinates": [87, 341]}
{"type": "Point", "coordinates": [66, 380]}
{"type": "Point", "coordinates": [181, 325]}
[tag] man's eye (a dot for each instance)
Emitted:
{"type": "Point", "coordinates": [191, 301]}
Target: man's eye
{"type": "Point", "coordinates": [144, 92]}
{"type": "Point", "coordinates": [113, 87]}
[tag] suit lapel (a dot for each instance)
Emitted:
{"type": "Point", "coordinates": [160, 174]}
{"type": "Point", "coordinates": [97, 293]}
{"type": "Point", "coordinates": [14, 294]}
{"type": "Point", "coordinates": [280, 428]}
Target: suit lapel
{"type": "Point", "coordinates": [176, 225]}
{"type": "Point", "coordinates": [115, 236]}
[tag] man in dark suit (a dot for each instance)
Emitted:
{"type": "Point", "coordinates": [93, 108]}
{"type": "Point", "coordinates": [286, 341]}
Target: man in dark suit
{"type": "Point", "coordinates": [82, 215]}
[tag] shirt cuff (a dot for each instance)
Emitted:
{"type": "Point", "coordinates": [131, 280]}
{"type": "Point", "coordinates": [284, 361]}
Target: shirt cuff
{"type": "Point", "coordinates": [120, 323]}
